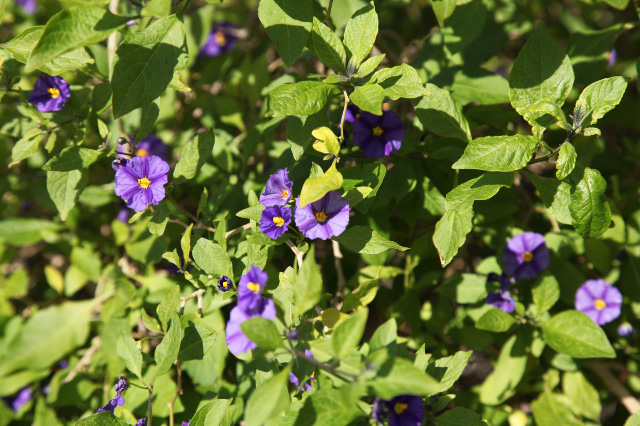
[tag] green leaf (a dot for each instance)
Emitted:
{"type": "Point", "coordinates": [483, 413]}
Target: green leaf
{"type": "Point", "coordinates": [102, 419]}
{"type": "Point", "coordinates": [542, 71]}
{"type": "Point", "coordinates": [197, 341]}
{"type": "Point", "coordinates": [145, 62]}
{"type": "Point", "coordinates": [479, 85]}
{"type": "Point", "coordinates": [70, 29]}
{"type": "Point", "coordinates": [72, 158]}
{"type": "Point", "coordinates": [348, 333]}
{"type": "Point", "coordinates": [303, 98]}
{"type": "Point", "coordinates": [362, 239]}
{"type": "Point", "coordinates": [495, 320]}
{"type": "Point", "coordinates": [597, 99]}
{"type": "Point", "coordinates": [360, 34]}
{"type": "Point", "coordinates": [385, 335]}
{"type": "Point", "coordinates": [555, 194]}
{"type": "Point", "coordinates": [299, 130]}
{"type": "Point", "coordinates": [27, 146]}
{"type": "Point", "coordinates": [21, 46]}
{"type": "Point", "coordinates": [498, 153]}
{"type": "Point", "coordinates": [465, 288]}
{"type": "Point", "coordinates": [23, 232]}
{"type": "Point", "coordinates": [64, 189]}
{"type": "Point", "coordinates": [398, 82]}
{"type": "Point", "coordinates": [129, 353]}
{"type": "Point", "coordinates": [211, 414]}
{"type": "Point", "coordinates": [212, 258]}
{"type": "Point", "coordinates": [49, 335]}
{"type": "Point", "coordinates": [575, 334]}
{"type": "Point", "coordinates": [185, 244]}
{"type": "Point", "coordinates": [590, 210]}
{"type": "Point", "coordinates": [331, 406]}
{"type": "Point", "coordinates": [369, 175]}
{"type": "Point", "coordinates": [167, 351]}
{"type": "Point", "coordinates": [507, 372]}
{"type": "Point", "coordinates": [150, 322]}
{"type": "Point", "coordinates": [552, 409]}
{"type": "Point", "coordinates": [399, 376]}
{"type": "Point", "coordinates": [308, 285]}
{"type": "Point", "coordinates": [633, 420]}
{"type": "Point", "coordinates": [159, 220]}
{"type": "Point", "coordinates": [369, 66]}
{"type": "Point", "coordinates": [193, 156]}
{"type": "Point", "coordinates": [328, 47]}
{"type": "Point", "coordinates": [545, 292]}
{"type": "Point", "coordinates": [449, 369]}
{"type": "Point", "coordinates": [288, 24]}
{"type": "Point", "coordinates": [566, 160]}
{"type": "Point", "coordinates": [443, 9]}
{"type": "Point", "coordinates": [441, 114]}
{"type": "Point", "coordinates": [157, 8]}
{"type": "Point", "coordinates": [262, 332]}
{"type": "Point", "coordinates": [460, 416]}
{"type": "Point", "coordinates": [584, 398]}
{"type": "Point", "coordinates": [369, 98]}
{"type": "Point", "coordinates": [329, 139]}
{"type": "Point", "coordinates": [168, 306]}
{"type": "Point", "coordinates": [362, 296]}
{"type": "Point", "coordinates": [269, 400]}
{"type": "Point", "coordinates": [314, 189]}
{"type": "Point", "coordinates": [253, 213]}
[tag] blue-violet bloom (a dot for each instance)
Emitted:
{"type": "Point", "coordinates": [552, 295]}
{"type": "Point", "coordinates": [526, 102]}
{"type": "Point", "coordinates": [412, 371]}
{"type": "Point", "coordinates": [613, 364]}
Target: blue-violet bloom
{"type": "Point", "coordinates": [29, 6]}
{"type": "Point", "coordinates": [220, 40]}
{"type": "Point", "coordinates": [352, 114]}
{"type": "Point", "coordinates": [526, 255]}
{"type": "Point", "coordinates": [141, 422]}
{"type": "Point", "coordinates": [49, 94]}
{"type": "Point", "coordinates": [20, 399]}
{"type": "Point", "coordinates": [625, 329]}
{"type": "Point", "coordinates": [599, 300]}
{"type": "Point", "coordinates": [275, 221]}
{"type": "Point", "coordinates": [307, 386]}
{"type": "Point", "coordinates": [328, 217]}
{"type": "Point", "coordinates": [278, 189]}
{"type": "Point", "coordinates": [502, 298]}
{"type": "Point", "coordinates": [224, 283]}
{"type": "Point", "coordinates": [378, 135]}
{"type": "Point", "coordinates": [403, 410]}
{"type": "Point", "coordinates": [140, 182]}
{"type": "Point", "coordinates": [250, 288]}
{"type": "Point", "coordinates": [151, 145]}
{"type": "Point", "coordinates": [186, 423]}
{"type": "Point", "coordinates": [236, 340]}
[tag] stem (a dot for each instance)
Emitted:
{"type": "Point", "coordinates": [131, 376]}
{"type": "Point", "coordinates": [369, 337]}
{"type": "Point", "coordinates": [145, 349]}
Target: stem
{"type": "Point", "coordinates": [149, 408]}
{"type": "Point", "coordinates": [351, 376]}
{"type": "Point", "coordinates": [112, 45]}
{"type": "Point", "coordinates": [187, 213]}
{"type": "Point", "coordinates": [344, 114]}
{"type": "Point", "coordinates": [178, 392]}
{"type": "Point", "coordinates": [327, 20]}
{"type": "Point", "coordinates": [237, 230]}
{"type": "Point", "coordinates": [125, 153]}
{"type": "Point", "coordinates": [298, 253]}
{"type": "Point", "coordinates": [337, 255]}
{"type": "Point", "coordinates": [613, 384]}
{"type": "Point", "coordinates": [84, 361]}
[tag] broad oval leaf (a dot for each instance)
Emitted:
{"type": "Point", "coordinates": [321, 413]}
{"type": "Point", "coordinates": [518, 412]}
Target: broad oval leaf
{"type": "Point", "coordinates": [303, 98]}
{"type": "Point", "coordinates": [498, 153]}
{"type": "Point", "coordinates": [328, 47]}
{"type": "Point", "coordinates": [575, 334]}
{"type": "Point", "coordinates": [212, 258]}
{"type": "Point", "coordinates": [495, 320]}
{"type": "Point", "coordinates": [566, 160]}
{"type": "Point", "coordinates": [441, 114]}
{"type": "Point", "coordinates": [360, 34]}
{"type": "Point", "coordinates": [288, 24]}
{"type": "Point", "coordinates": [362, 239]}
{"type": "Point", "coordinates": [315, 188]}
{"type": "Point", "coordinates": [599, 98]}
{"type": "Point", "coordinates": [589, 207]}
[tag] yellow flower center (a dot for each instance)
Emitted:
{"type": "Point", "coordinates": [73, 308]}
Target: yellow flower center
{"type": "Point", "coordinates": [357, 116]}
{"type": "Point", "coordinates": [220, 38]}
{"type": "Point", "coordinates": [377, 131]}
{"type": "Point", "coordinates": [54, 92]}
{"type": "Point", "coordinates": [386, 106]}
{"type": "Point", "coordinates": [599, 304]}
{"type": "Point", "coordinates": [225, 284]}
{"type": "Point", "coordinates": [142, 153]}
{"type": "Point", "coordinates": [321, 216]}
{"type": "Point", "coordinates": [527, 256]}
{"type": "Point", "coordinates": [254, 287]}
{"type": "Point", "coordinates": [284, 194]}
{"type": "Point", "coordinates": [144, 182]}
{"type": "Point", "coordinates": [400, 407]}
{"type": "Point", "coordinates": [278, 221]}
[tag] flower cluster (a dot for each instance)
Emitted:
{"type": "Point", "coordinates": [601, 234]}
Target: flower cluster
{"type": "Point", "coordinates": [49, 94]}
{"type": "Point", "coordinates": [403, 410]}
{"type": "Point", "coordinates": [140, 181]}
{"type": "Point", "coordinates": [323, 219]}
{"type": "Point", "coordinates": [251, 304]}
{"type": "Point", "coordinates": [121, 386]}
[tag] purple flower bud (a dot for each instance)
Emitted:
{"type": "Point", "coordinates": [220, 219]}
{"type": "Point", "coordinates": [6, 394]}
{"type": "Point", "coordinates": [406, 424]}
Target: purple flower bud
{"type": "Point", "coordinates": [186, 423]}
{"type": "Point", "coordinates": [122, 385]}
{"type": "Point", "coordinates": [20, 399]}
{"type": "Point", "coordinates": [141, 422]}
{"type": "Point", "coordinates": [293, 335]}
{"type": "Point", "coordinates": [625, 330]}
{"type": "Point", "coordinates": [29, 6]}
{"type": "Point", "coordinates": [225, 284]}
{"type": "Point", "coordinates": [119, 162]}
{"type": "Point", "coordinates": [130, 24]}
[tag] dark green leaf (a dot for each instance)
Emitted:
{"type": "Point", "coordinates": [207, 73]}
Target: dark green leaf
{"type": "Point", "coordinates": [362, 239]}
{"type": "Point", "coordinates": [167, 351]}
{"type": "Point", "coordinates": [495, 320]}
{"type": "Point", "coordinates": [288, 24]}
{"type": "Point", "coordinates": [498, 153]}
{"type": "Point", "coordinates": [262, 332]}
{"type": "Point", "coordinates": [575, 334]}
{"type": "Point", "coordinates": [197, 341]}
{"type": "Point", "coordinates": [360, 34]}
{"type": "Point", "coordinates": [304, 98]}
{"type": "Point", "coordinates": [193, 155]}
{"type": "Point", "coordinates": [441, 114]}
{"type": "Point", "coordinates": [328, 47]}
{"type": "Point", "coordinates": [72, 158]}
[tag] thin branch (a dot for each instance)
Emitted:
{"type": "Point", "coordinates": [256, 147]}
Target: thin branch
{"type": "Point", "coordinates": [149, 408]}
{"type": "Point", "coordinates": [613, 384]}
{"type": "Point", "coordinates": [298, 253]}
{"type": "Point", "coordinates": [324, 366]}
{"type": "Point", "coordinates": [337, 256]}
{"type": "Point", "coordinates": [186, 212]}
{"type": "Point", "coordinates": [552, 220]}
{"type": "Point", "coordinates": [344, 114]}
{"type": "Point", "coordinates": [175, 396]}
{"type": "Point", "coordinates": [112, 45]}
{"type": "Point", "coordinates": [327, 20]}
{"type": "Point", "coordinates": [84, 361]}
{"type": "Point", "coordinates": [237, 230]}
{"type": "Point", "coordinates": [197, 293]}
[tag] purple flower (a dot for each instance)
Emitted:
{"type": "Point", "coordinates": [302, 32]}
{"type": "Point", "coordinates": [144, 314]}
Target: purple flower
{"type": "Point", "coordinates": [353, 113]}
{"type": "Point", "coordinates": [141, 181]}
{"type": "Point", "coordinates": [275, 221]}
{"type": "Point", "coordinates": [278, 189]}
{"type": "Point", "coordinates": [122, 385]}
{"type": "Point", "coordinates": [151, 145]}
{"type": "Point", "coordinates": [307, 385]}
{"type": "Point", "coordinates": [251, 284]}
{"type": "Point", "coordinates": [525, 255]}
{"type": "Point", "coordinates": [141, 422]}
{"type": "Point", "coordinates": [225, 284]}
{"type": "Point", "coordinates": [599, 300]}
{"type": "Point", "coordinates": [625, 329]}
{"type": "Point", "coordinates": [378, 135]}
{"type": "Point", "coordinates": [20, 399]}
{"type": "Point", "coordinates": [293, 334]}
{"type": "Point", "coordinates": [186, 423]}
{"type": "Point", "coordinates": [502, 298]}
{"type": "Point", "coordinates": [613, 57]}
{"type": "Point", "coordinates": [49, 94]}
{"type": "Point", "coordinates": [118, 400]}
{"type": "Point", "coordinates": [130, 24]}
{"type": "Point", "coordinates": [236, 340]}
{"type": "Point", "coordinates": [220, 40]}
{"type": "Point", "coordinates": [403, 410]}
{"type": "Point", "coordinates": [29, 6]}
{"type": "Point", "coordinates": [328, 217]}
{"type": "Point", "coordinates": [118, 162]}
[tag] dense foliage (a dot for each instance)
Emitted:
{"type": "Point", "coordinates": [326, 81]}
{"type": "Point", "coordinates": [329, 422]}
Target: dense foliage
{"type": "Point", "coordinates": [319, 212]}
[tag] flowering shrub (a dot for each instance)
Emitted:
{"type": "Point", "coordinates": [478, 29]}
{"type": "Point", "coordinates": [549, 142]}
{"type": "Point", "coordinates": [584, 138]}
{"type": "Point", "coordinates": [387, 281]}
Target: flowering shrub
{"type": "Point", "coordinates": [318, 212]}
